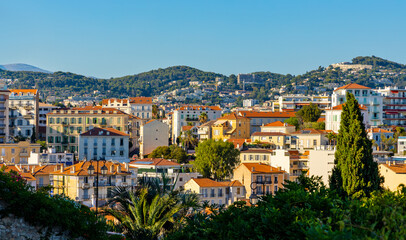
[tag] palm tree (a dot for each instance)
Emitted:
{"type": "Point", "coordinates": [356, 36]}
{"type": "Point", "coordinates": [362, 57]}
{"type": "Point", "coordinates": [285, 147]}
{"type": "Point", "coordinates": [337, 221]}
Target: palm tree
{"type": "Point", "coordinates": [203, 118]}
{"type": "Point", "coordinates": [189, 139]}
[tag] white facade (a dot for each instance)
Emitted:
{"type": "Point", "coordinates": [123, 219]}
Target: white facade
{"type": "Point", "coordinates": [365, 96]}
{"type": "Point", "coordinates": [4, 113]}
{"type": "Point", "coordinates": [138, 106]}
{"type": "Point", "coordinates": [333, 118]}
{"type": "Point", "coordinates": [51, 157]}
{"type": "Point", "coordinates": [23, 112]}
{"type": "Point", "coordinates": [43, 110]}
{"type": "Point", "coordinates": [190, 114]}
{"type": "Point", "coordinates": [106, 143]}
{"type": "Point", "coordinates": [297, 101]}
{"type": "Point", "coordinates": [321, 163]}
{"type": "Point", "coordinates": [153, 134]}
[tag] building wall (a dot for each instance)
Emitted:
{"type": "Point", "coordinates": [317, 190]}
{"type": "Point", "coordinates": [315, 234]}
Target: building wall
{"type": "Point", "coordinates": [153, 134]}
{"type": "Point", "coordinates": [18, 152]}
{"type": "Point", "coordinates": [107, 147]}
{"type": "Point", "coordinates": [240, 128]}
{"type": "Point", "coordinates": [321, 163]}
{"type": "Point", "coordinates": [285, 129]}
{"type": "Point", "coordinates": [216, 199]}
{"type": "Point", "coordinates": [4, 115]}
{"type": "Point", "coordinates": [392, 180]}
{"type": "Point", "coordinates": [278, 141]}
{"type": "Point", "coordinates": [311, 140]}
{"type": "Point", "coordinates": [256, 157]}
{"type": "Point", "coordinates": [23, 113]}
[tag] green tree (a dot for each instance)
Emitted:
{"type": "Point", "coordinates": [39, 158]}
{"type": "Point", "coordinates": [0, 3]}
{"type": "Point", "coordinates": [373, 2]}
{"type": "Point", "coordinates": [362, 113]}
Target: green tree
{"type": "Point", "coordinates": [293, 121]}
{"type": "Point", "coordinates": [203, 117]}
{"type": "Point", "coordinates": [309, 113]}
{"type": "Point", "coordinates": [171, 152]}
{"type": "Point", "coordinates": [216, 159]}
{"type": "Point", "coordinates": [161, 152]}
{"type": "Point", "coordinates": [155, 111]}
{"type": "Point", "coordinates": [189, 140]}
{"type": "Point", "coordinates": [355, 172]}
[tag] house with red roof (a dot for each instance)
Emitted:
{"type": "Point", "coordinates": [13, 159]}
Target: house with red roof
{"type": "Point", "coordinates": [257, 119]}
{"type": "Point", "coordinates": [333, 117]}
{"type": "Point", "coordinates": [278, 126]}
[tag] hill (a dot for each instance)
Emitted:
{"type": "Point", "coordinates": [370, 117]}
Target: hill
{"type": "Point", "coordinates": [22, 67]}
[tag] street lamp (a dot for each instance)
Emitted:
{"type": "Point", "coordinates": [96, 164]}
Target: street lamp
{"type": "Point", "coordinates": [103, 170]}
{"type": "Point", "coordinates": [254, 196]}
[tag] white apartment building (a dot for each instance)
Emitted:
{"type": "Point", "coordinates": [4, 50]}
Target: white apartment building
{"type": "Point", "coordinates": [394, 106]}
{"type": "Point", "coordinates": [4, 113]}
{"type": "Point", "coordinates": [104, 143]}
{"type": "Point", "coordinates": [321, 162]}
{"type": "Point", "coordinates": [153, 134]}
{"type": "Point", "coordinates": [296, 101]}
{"type": "Point", "coordinates": [190, 114]}
{"type": "Point", "coordinates": [333, 117]}
{"type": "Point", "coordinates": [138, 106]}
{"type": "Point", "coordinates": [50, 157]}
{"type": "Point", "coordinates": [23, 112]}
{"type": "Point", "coordinates": [365, 96]}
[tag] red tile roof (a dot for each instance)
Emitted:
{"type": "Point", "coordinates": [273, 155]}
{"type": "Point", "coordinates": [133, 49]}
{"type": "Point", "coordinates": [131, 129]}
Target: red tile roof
{"type": "Point", "coordinates": [207, 182]}
{"type": "Point", "coordinates": [278, 124]}
{"type": "Point", "coordinates": [80, 169]}
{"type": "Point", "coordinates": [399, 168]}
{"type": "Point", "coordinates": [186, 128]}
{"type": "Point", "coordinates": [340, 107]}
{"type": "Point", "coordinates": [321, 119]}
{"type": "Point", "coordinates": [141, 100]}
{"type": "Point", "coordinates": [352, 86]}
{"type": "Point", "coordinates": [103, 132]}
{"type": "Point", "coordinates": [23, 91]}
{"type": "Point", "coordinates": [378, 130]}
{"type": "Point", "coordinates": [269, 134]}
{"type": "Point", "coordinates": [261, 168]}
{"type": "Point", "coordinates": [232, 116]}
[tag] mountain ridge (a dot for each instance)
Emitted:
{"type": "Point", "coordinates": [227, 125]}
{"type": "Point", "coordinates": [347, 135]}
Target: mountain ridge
{"type": "Point", "coordinates": [17, 67]}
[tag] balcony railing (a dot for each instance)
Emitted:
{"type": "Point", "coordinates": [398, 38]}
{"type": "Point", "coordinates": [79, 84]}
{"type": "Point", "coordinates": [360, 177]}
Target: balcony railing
{"type": "Point", "coordinates": [85, 185]}
{"type": "Point", "coordinates": [192, 119]}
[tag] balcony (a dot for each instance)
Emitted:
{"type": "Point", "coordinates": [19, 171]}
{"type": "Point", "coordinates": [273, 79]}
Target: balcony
{"type": "Point", "coordinates": [85, 197]}
{"type": "Point", "coordinates": [192, 119]}
{"type": "Point", "coordinates": [28, 116]}
{"type": "Point", "coordinates": [28, 107]}
{"type": "Point", "coordinates": [2, 108]}
{"type": "Point", "coordinates": [24, 154]}
{"type": "Point", "coordinates": [104, 184]}
{"type": "Point", "coordinates": [2, 117]}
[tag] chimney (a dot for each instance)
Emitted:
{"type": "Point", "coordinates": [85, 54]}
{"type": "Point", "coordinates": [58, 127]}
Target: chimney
{"type": "Point", "coordinates": [72, 170]}
{"type": "Point", "coordinates": [279, 168]}
{"type": "Point", "coordinates": [253, 169]}
{"type": "Point", "coordinates": [119, 168]}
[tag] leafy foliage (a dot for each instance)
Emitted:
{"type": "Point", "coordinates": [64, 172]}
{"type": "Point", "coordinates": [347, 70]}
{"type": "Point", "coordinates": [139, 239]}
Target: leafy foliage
{"type": "Point", "coordinates": [309, 113]}
{"type": "Point", "coordinates": [171, 152]}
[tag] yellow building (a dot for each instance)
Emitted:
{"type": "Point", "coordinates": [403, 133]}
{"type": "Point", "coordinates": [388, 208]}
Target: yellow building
{"type": "Point", "coordinates": [18, 153]}
{"type": "Point", "coordinates": [394, 174]}
{"type": "Point", "coordinates": [256, 156]}
{"type": "Point", "coordinates": [77, 183]}
{"type": "Point", "coordinates": [260, 179]}
{"type": "Point", "coordinates": [277, 139]}
{"type": "Point", "coordinates": [64, 126]}
{"type": "Point", "coordinates": [222, 193]}
{"type": "Point", "coordinates": [231, 126]}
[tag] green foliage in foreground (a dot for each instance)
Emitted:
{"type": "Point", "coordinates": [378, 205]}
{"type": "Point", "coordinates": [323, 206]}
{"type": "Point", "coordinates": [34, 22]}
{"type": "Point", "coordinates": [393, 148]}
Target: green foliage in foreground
{"type": "Point", "coordinates": [304, 210]}
{"type": "Point", "coordinates": [40, 209]}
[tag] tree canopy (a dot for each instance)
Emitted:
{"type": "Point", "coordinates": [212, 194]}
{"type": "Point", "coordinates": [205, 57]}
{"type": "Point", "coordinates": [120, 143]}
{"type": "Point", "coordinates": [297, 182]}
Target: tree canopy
{"type": "Point", "coordinates": [309, 113]}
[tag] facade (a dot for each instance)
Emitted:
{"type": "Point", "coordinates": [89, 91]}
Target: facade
{"type": "Point", "coordinates": [190, 114]}
{"type": "Point", "coordinates": [257, 156]}
{"type": "Point", "coordinates": [140, 107]}
{"type": "Point", "coordinates": [204, 131]}
{"type": "Point", "coordinates": [333, 117]}
{"type": "Point", "coordinates": [259, 179]}
{"type": "Point", "coordinates": [278, 126]}
{"type": "Point", "coordinates": [18, 153]}
{"type": "Point", "coordinates": [153, 134]}
{"type": "Point", "coordinates": [311, 138]}
{"type": "Point", "coordinates": [321, 163]}
{"type": "Point", "coordinates": [77, 183]}
{"type": "Point", "coordinates": [222, 193]}
{"type": "Point", "coordinates": [376, 134]}
{"type": "Point", "coordinates": [262, 118]}
{"type": "Point", "coordinates": [394, 174]}
{"type": "Point", "coordinates": [277, 139]}
{"type": "Point", "coordinates": [4, 113]}
{"type": "Point", "coordinates": [231, 126]}
{"type": "Point", "coordinates": [394, 106]}
{"type": "Point", "coordinates": [51, 157]}
{"type": "Point", "coordinates": [365, 96]}
{"type": "Point", "coordinates": [402, 145]}
{"type": "Point", "coordinates": [65, 125]}
{"type": "Point", "coordinates": [104, 143]}
{"type": "Point", "coordinates": [44, 109]}
{"type": "Point", "coordinates": [293, 162]}
{"type": "Point", "coordinates": [295, 102]}
{"type": "Point", "coordinates": [23, 112]}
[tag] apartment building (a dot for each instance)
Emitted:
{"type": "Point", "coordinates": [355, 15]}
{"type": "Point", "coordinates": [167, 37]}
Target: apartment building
{"type": "Point", "coordinates": [394, 174]}
{"type": "Point", "coordinates": [104, 143]}
{"type": "Point", "coordinates": [50, 157]}
{"type": "Point", "coordinates": [231, 126]}
{"type": "Point", "coordinates": [366, 96]}
{"type": "Point", "coordinates": [321, 163]}
{"type": "Point", "coordinates": [65, 125]}
{"type": "Point", "coordinates": [259, 179]}
{"type": "Point", "coordinates": [18, 153]}
{"type": "Point", "coordinates": [4, 113]}
{"type": "Point", "coordinates": [394, 106]}
{"type": "Point", "coordinates": [79, 181]}
{"type": "Point", "coordinates": [153, 134]}
{"type": "Point", "coordinates": [295, 102]}
{"type": "Point", "coordinates": [256, 156]}
{"type": "Point", "coordinates": [402, 145]}
{"type": "Point", "coordinates": [310, 138]}
{"type": "Point", "coordinates": [293, 162]}
{"type": "Point", "coordinates": [222, 193]}
{"type": "Point", "coordinates": [276, 139]}
{"type": "Point", "coordinates": [138, 106]}
{"type": "Point", "coordinates": [204, 131]}
{"type": "Point", "coordinates": [23, 112]}
{"type": "Point", "coordinates": [190, 115]}
{"type": "Point", "coordinates": [262, 118]}
{"type": "Point", "coordinates": [333, 117]}
{"type": "Point", "coordinates": [278, 126]}
{"type": "Point", "coordinates": [44, 109]}
{"type": "Point", "coordinates": [376, 134]}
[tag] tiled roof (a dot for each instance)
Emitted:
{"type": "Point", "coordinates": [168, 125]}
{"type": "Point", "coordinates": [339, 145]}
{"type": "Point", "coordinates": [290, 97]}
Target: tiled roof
{"type": "Point", "coordinates": [26, 175]}
{"type": "Point", "coordinates": [187, 128]}
{"type": "Point", "coordinates": [321, 119]}
{"type": "Point", "coordinates": [46, 105]}
{"type": "Point", "coordinates": [378, 130]}
{"type": "Point", "coordinates": [352, 86]}
{"type": "Point", "coordinates": [154, 162]}
{"type": "Point", "coordinates": [150, 121]}
{"type": "Point", "coordinates": [340, 107]}
{"type": "Point", "coordinates": [257, 151]}
{"type": "Point", "coordinates": [103, 132]}
{"type": "Point", "coordinates": [261, 168]}
{"type": "Point", "coordinates": [23, 91]}
{"type": "Point", "coordinates": [251, 114]}
{"type": "Point", "coordinates": [278, 124]}
{"type": "Point", "coordinates": [311, 131]}
{"type": "Point", "coordinates": [209, 123]}
{"type": "Point", "coordinates": [231, 116]}
{"type": "Point", "coordinates": [238, 142]}
{"type": "Point", "coordinates": [269, 134]}
{"type": "Point", "coordinates": [80, 169]}
{"type": "Point", "coordinates": [141, 100]}
{"type": "Point", "coordinates": [206, 182]}
{"type": "Point", "coordinates": [235, 183]}
{"type": "Point", "coordinates": [204, 108]}
{"type": "Point", "coordinates": [399, 168]}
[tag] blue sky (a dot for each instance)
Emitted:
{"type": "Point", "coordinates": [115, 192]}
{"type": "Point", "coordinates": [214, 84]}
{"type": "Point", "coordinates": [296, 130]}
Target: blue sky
{"type": "Point", "coordinates": [117, 38]}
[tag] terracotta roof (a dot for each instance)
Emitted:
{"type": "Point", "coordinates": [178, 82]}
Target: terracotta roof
{"type": "Point", "coordinates": [311, 131]}
{"type": "Point", "coordinates": [186, 128]}
{"type": "Point", "coordinates": [340, 107]}
{"type": "Point", "coordinates": [23, 91]}
{"type": "Point", "coordinates": [321, 119]}
{"type": "Point", "coordinates": [206, 182]}
{"type": "Point", "coordinates": [399, 168]}
{"type": "Point", "coordinates": [278, 124]}
{"type": "Point", "coordinates": [46, 105]}
{"type": "Point", "coordinates": [261, 168]}
{"type": "Point", "coordinates": [150, 121]}
{"type": "Point", "coordinates": [154, 161]}
{"type": "Point", "coordinates": [251, 114]}
{"type": "Point", "coordinates": [238, 142]}
{"type": "Point", "coordinates": [231, 116]}
{"type": "Point", "coordinates": [103, 132]}
{"type": "Point", "coordinates": [269, 134]}
{"type": "Point", "coordinates": [378, 130]}
{"type": "Point", "coordinates": [141, 100]}
{"type": "Point", "coordinates": [112, 100]}
{"type": "Point", "coordinates": [257, 151]}
{"type": "Point", "coordinates": [26, 175]}
{"type": "Point", "coordinates": [207, 124]}
{"type": "Point", "coordinates": [204, 108]}
{"type": "Point", "coordinates": [235, 183]}
{"type": "Point", "coordinates": [80, 169]}
{"type": "Point", "coordinates": [46, 169]}
{"type": "Point", "coordinates": [352, 86]}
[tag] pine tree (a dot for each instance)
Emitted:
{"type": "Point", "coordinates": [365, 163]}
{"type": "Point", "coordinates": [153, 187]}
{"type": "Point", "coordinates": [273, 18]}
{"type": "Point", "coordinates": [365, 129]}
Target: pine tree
{"type": "Point", "coordinates": [355, 173]}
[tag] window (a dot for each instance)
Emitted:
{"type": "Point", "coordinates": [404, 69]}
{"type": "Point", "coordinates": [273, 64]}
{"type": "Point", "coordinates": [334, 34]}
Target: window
{"type": "Point", "coordinates": [3, 152]}
{"type": "Point", "coordinates": [13, 151]}
{"type": "Point", "coordinates": [72, 120]}
{"type": "Point", "coordinates": [80, 120]}
{"type": "Point", "coordinates": [205, 192]}
{"type": "Point", "coordinates": [113, 142]}
{"type": "Point", "coordinates": [124, 179]}
{"type": "Point", "coordinates": [51, 120]}
{"type": "Point", "coordinates": [94, 151]}
{"type": "Point", "coordinates": [72, 129]}
{"type": "Point", "coordinates": [315, 142]}
{"type": "Point", "coordinates": [85, 193]}
{"type": "Point", "coordinates": [220, 192]}
{"type": "Point", "coordinates": [275, 189]}
{"type": "Point", "coordinates": [238, 191]}
{"type": "Point", "coordinates": [72, 139]}
{"type": "Point", "coordinates": [51, 139]}
{"type": "Point", "coordinates": [216, 132]}
{"type": "Point", "coordinates": [94, 120]}
{"type": "Point", "coordinates": [79, 129]}
{"type": "Point", "coordinates": [121, 142]}
{"type": "Point", "coordinates": [58, 120]}
{"type": "Point", "coordinates": [276, 179]}
{"type": "Point", "coordinates": [85, 150]}
{"type": "Point", "coordinates": [121, 153]}
{"type": "Point", "coordinates": [212, 194]}
{"type": "Point", "coordinates": [50, 130]}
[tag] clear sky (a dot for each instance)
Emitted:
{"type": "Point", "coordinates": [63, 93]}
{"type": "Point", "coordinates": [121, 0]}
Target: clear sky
{"type": "Point", "coordinates": [117, 38]}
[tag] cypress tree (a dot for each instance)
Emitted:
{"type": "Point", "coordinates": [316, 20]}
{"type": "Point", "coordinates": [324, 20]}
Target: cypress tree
{"type": "Point", "coordinates": [355, 172]}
